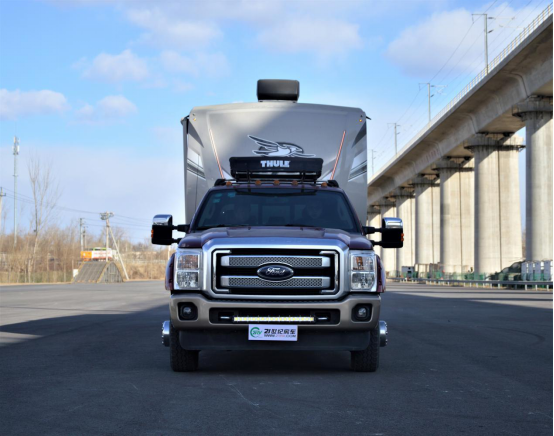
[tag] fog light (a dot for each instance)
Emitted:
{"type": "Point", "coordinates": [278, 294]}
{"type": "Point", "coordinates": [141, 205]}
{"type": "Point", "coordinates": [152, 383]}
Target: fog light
{"type": "Point", "coordinates": [188, 311]}
{"type": "Point", "coordinates": [361, 313]}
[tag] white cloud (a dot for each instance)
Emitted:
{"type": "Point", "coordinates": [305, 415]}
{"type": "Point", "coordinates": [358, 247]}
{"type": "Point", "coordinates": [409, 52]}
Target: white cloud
{"type": "Point", "coordinates": [176, 63]}
{"type": "Point", "coordinates": [326, 28]}
{"type": "Point", "coordinates": [423, 48]}
{"type": "Point", "coordinates": [168, 28]}
{"type": "Point", "coordinates": [324, 37]}
{"type": "Point", "coordinates": [115, 68]}
{"type": "Point", "coordinates": [16, 104]}
{"type": "Point", "coordinates": [110, 109]}
{"type": "Point", "coordinates": [205, 64]}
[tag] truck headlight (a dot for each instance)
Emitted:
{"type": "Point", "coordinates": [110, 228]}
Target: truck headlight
{"type": "Point", "coordinates": [362, 271]}
{"type": "Point", "coordinates": [188, 267]}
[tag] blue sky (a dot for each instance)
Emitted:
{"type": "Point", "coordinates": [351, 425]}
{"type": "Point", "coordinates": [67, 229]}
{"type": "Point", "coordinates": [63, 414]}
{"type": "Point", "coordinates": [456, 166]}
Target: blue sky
{"type": "Point", "coordinates": [97, 88]}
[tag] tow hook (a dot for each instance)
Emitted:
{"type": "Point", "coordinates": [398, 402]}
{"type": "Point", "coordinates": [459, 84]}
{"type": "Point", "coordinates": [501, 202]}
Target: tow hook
{"type": "Point", "coordinates": [383, 331]}
{"type": "Point", "coordinates": [165, 333]}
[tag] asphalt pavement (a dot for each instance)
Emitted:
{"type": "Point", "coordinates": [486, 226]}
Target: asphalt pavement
{"type": "Point", "coordinates": [87, 359]}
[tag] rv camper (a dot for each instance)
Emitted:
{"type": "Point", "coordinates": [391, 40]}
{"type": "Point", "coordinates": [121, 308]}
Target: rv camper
{"type": "Point", "coordinates": [275, 254]}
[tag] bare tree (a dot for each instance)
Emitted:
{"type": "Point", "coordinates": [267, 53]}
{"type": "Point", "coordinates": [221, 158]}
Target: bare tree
{"type": "Point", "coordinates": [46, 194]}
{"type": "Point", "coordinates": [3, 218]}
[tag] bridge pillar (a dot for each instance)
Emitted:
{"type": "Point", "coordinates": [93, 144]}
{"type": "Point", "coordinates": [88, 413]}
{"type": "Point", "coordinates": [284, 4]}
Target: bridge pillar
{"type": "Point", "coordinates": [388, 255]}
{"type": "Point", "coordinates": [405, 210]}
{"type": "Point", "coordinates": [456, 214]}
{"type": "Point", "coordinates": [536, 111]}
{"type": "Point", "coordinates": [374, 220]}
{"type": "Point", "coordinates": [427, 222]}
{"type": "Point", "coordinates": [497, 204]}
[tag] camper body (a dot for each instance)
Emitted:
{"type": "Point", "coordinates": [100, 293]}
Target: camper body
{"type": "Point", "coordinates": [275, 130]}
{"type": "Point", "coordinates": [275, 255]}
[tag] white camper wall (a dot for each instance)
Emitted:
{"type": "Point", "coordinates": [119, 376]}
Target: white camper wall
{"type": "Point", "coordinates": [335, 134]}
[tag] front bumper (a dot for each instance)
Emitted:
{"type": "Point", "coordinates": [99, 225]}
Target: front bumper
{"type": "Point", "coordinates": [345, 307]}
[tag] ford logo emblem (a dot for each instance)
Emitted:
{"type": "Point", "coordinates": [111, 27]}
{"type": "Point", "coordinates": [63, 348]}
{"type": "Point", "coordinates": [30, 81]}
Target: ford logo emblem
{"type": "Point", "coordinates": [275, 272]}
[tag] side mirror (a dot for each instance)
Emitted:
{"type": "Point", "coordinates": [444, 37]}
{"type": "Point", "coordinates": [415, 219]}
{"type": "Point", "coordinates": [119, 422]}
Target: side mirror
{"type": "Point", "coordinates": [392, 233]}
{"type": "Point", "coordinates": [162, 230]}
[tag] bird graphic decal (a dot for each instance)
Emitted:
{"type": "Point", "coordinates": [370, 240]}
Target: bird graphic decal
{"type": "Point", "coordinates": [278, 149]}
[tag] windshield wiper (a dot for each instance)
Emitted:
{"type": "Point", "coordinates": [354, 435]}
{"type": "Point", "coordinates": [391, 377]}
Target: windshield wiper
{"type": "Point", "coordinates": [300, 225]}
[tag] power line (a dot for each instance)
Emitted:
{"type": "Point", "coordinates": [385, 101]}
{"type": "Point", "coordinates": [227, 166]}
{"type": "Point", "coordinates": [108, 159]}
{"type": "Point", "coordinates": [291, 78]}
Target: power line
{"type": "Point", "coordinates": [476, 59]}
{"type": "Point", "coordinates": [468, 71]}
{"type": "Point", "coordinates": [491, 5]}
{"type": "Point", "coordinates": [460, 44]}
{"type": "Point", "coordinates": [141, 220]}
{"type": "Point", "coordinates": [521, 22]}
{"type": "Point", "coordinates": [30, 200]}
{"type": "Point", "coordinates": [453, 53]}
{"type": "Point", "coordinates": [382, 137]}
{"type": "Point", "coordinates": [406, 111]}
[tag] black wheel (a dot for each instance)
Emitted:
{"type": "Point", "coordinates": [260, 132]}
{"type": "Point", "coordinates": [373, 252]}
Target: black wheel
{"type": "Point", "coordinates": [181, 360]}
{"type": "Point", "coordinates": [367, 360]}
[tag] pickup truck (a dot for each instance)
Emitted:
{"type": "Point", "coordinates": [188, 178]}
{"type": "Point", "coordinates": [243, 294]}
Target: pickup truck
{"type": "Point", "coordinates": [274, 257]}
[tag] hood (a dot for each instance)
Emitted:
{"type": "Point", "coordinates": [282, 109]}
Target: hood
{"type": "Point", "coordinates": [353, 241]}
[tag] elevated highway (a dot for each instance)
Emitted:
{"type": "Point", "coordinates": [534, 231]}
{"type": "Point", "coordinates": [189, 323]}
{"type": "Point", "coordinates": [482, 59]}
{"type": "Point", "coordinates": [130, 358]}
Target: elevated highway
{"type": "Point", "coordinates": [456, 183]}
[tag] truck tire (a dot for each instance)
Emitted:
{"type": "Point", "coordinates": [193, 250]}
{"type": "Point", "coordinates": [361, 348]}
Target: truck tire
{"type": "Point", "coordinates": [181, 360]}
{"type": "Point", "coordinates": [367, 360]}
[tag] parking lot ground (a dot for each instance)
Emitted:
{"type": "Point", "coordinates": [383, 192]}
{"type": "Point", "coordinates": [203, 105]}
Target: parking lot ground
{"type": "Point", "coordinates": [88, 359]}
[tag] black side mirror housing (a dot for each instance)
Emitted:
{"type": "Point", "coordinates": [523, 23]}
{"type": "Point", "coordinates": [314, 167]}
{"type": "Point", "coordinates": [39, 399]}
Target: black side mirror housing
{"type": "Point", "coordinates": [392, 233]}
{"type": "Point", "coordinates": [162, 230]}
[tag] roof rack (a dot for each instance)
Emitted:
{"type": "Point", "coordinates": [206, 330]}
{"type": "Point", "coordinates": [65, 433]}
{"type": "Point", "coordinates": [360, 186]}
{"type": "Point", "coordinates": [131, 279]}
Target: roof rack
{"type": "Point", "coordinates": [323, 183]}
{"type": "Point", "coordinates": [282, 168]}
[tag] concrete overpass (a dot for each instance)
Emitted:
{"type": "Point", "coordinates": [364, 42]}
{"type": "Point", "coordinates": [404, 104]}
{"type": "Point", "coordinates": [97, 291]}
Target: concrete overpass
{"type": "Point", "coordinates": [456, 183]}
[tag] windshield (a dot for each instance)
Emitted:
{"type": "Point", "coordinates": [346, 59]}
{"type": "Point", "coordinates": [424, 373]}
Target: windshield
{"type": "Point", "coordinates": [276, 207]}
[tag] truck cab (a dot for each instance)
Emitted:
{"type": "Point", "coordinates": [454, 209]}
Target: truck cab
{"type": "Point", "coordinates": [275, 257]}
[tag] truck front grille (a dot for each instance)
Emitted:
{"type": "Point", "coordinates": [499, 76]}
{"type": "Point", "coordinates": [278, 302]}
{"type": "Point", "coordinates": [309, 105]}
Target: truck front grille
{"type": "Point", "coordinates": [315, 272]}
{"type": "Point", "coordinates": [246, 261]}
{"type": "Point", "coordinates": [295, 282]}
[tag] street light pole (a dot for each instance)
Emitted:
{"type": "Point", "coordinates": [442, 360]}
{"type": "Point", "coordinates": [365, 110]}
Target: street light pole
{"type": "Point", "coordinates": [486, 18]}
{"type": "Point", "coordinates": [395, 137]}
{"type": "Point", "coordinates": [372, 162]}
{"type": "Point", "coordinates": [438, 91]}
{"type": "Point", "coordinates": [1, 195]}
{"type": "Point", "coordinates": [15, 154]}
{"type": "Point", "coordinates": [82, 226]}
{"type": "Point", "coordinates": [106, 217]}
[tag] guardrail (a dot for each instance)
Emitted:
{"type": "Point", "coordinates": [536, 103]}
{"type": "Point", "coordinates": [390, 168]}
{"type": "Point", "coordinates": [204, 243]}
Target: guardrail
{"type": "Point", "coordinates": [541, 18]}
{"type": "Point", "coordinates": [485, 283]}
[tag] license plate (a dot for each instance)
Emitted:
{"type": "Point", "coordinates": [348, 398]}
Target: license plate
{"type": "Point", "coordinates": [267, 332]}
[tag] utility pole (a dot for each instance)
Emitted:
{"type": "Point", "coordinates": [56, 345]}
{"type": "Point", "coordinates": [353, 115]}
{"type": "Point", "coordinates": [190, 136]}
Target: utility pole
{"type": "Point", "coordinates": [486, 18]}
{"type": "Point", "coordinates": [106, 217]}
{"type": "Point", "coordinates": [395, 137]}
{"type": "Point", "coordinates": [15, 154]}
{"type": "Point", "coordinates": [1, 195]}
{"type": "Point", "coordinates": [118, 252]}
{"type": "Point", "coordinates": [372, 162]}
{"type": "Point", "coordinates": [429, 86]}
{"type": "Point", "coordinates": [82, 232]}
